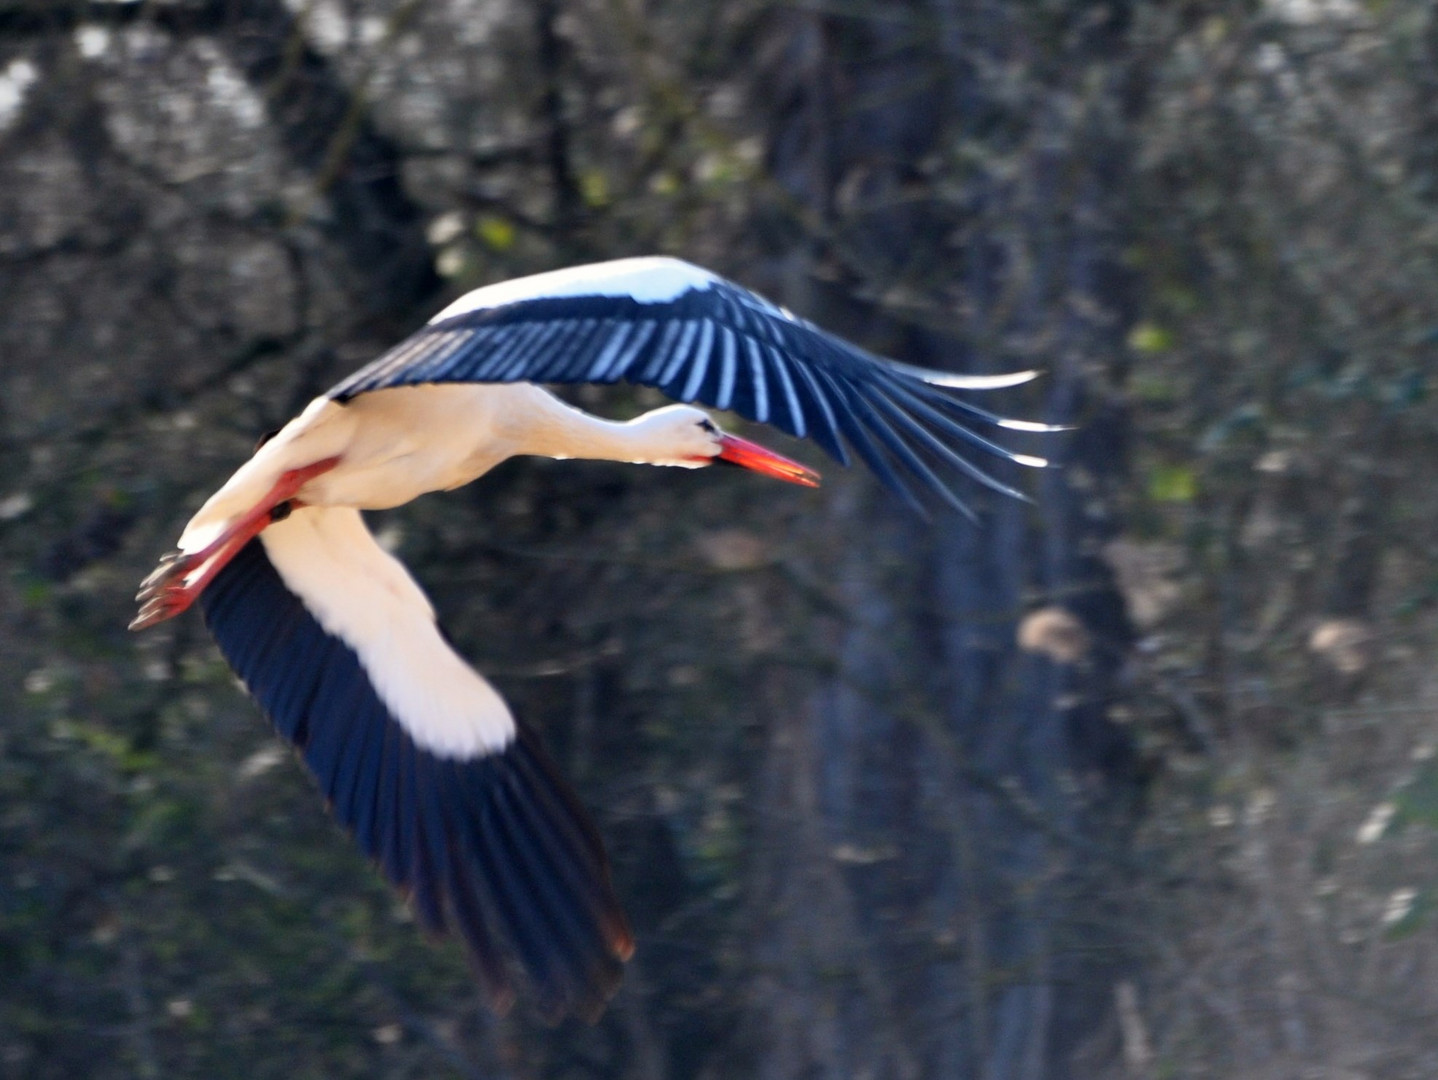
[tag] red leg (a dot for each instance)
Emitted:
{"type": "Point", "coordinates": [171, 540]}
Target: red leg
{"type": "Point", "coordinates": [168, 591]}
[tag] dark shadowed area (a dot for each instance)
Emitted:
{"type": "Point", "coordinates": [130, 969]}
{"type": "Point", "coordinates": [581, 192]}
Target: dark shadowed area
{"type": "Point", "coordinates": [1136, 780]}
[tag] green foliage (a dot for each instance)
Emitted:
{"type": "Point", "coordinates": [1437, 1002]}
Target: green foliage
{"type": "Point", "coordinates": [1172, 483]}
{"type": "Point", "coordinates": [498, 233]}
{"type": "Point", "coordinates": [1149, 338]}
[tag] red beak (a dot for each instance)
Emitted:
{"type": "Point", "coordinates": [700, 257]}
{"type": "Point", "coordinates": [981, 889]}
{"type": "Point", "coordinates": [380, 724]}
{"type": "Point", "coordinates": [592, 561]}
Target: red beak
{"type": "Point", "coordinates": [750, 455]}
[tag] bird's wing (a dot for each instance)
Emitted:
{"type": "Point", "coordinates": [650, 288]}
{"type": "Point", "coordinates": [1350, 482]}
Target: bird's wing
{"type": "Point", "coordinates": [420, 758]}
{"type": "Point", "coordinates": [663, 323]}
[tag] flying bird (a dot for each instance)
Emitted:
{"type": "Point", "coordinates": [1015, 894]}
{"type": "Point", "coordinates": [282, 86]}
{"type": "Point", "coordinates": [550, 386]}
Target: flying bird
{"type": "Point", "coordinates": [415, 752]}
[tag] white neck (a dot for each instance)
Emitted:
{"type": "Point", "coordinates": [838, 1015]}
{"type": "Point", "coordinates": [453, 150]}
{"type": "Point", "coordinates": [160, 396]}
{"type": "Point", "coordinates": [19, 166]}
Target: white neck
{"type": "Point", "coordinates": [667, 436]}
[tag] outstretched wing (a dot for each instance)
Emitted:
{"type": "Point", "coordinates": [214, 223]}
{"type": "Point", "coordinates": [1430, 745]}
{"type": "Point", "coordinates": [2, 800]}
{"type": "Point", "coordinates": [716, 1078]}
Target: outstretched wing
{"type": "Point", "coordinates": [420, 758]}
{"type": "Point", "coordinates": [667, 324]}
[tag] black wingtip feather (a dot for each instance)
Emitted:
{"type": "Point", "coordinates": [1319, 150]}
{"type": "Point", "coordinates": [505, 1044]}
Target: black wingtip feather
{"type": "Point", "coordinates": [497, 848]}
{"type": "Point", "coordinates": [463, 890]}
{"type": "Point", "coordinates": [874, 457]}
{"type": "Point", "coordinates": [897, 444]}
{"type": "Point", "coordinates": [582, 960]}
{"type": "Point", "coordinates": [907, 422]}
{"type": "Point", "coordinates": [511, 900]}
{"type": "Point", "coordinates": [923, 406]}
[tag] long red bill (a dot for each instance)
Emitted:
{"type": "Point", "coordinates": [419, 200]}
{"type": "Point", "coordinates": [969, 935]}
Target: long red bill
{"type": "Point", "coordinates": [750, 455]}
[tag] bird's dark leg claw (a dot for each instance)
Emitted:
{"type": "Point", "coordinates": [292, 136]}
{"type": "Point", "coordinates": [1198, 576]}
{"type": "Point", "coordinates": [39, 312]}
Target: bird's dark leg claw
{"type": "Point", "coordinates": [182, 575]}
{"type": "Point", "coordinates": [163, 594]}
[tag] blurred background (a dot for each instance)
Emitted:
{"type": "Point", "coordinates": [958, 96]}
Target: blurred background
{"type": "Point", "coordinates": [1135, 781]}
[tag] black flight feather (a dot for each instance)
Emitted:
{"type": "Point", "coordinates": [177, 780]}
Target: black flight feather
{"type": "Point", "coordinates": [496, 847]}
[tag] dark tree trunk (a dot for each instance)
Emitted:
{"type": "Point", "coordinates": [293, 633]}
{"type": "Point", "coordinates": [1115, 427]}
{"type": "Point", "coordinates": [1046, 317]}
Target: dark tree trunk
{"type": "Point", "coordinates": [952, 798]}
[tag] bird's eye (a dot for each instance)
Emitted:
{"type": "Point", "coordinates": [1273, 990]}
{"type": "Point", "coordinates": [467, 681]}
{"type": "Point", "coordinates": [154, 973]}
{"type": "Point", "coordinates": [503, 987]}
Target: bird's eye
{"type": "Point", "coordinates": [708, 425]}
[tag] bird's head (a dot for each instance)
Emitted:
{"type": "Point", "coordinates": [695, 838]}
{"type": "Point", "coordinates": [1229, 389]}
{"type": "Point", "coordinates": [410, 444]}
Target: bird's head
{"type": "Point", "coordinates": [685, 436]}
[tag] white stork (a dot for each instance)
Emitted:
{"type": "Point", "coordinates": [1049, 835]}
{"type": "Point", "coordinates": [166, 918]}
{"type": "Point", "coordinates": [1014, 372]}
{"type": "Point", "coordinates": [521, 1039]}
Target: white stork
{"type": "Point", "coordinates": [415, 752]}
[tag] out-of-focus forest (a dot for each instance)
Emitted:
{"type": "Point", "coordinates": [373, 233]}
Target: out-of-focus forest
{"type": "Point", "coordinates": [1137, 780]}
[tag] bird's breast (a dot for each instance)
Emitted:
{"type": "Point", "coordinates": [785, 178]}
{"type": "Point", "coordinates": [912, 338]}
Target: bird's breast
{"type": "Point", "coordinates": [406, 441]}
